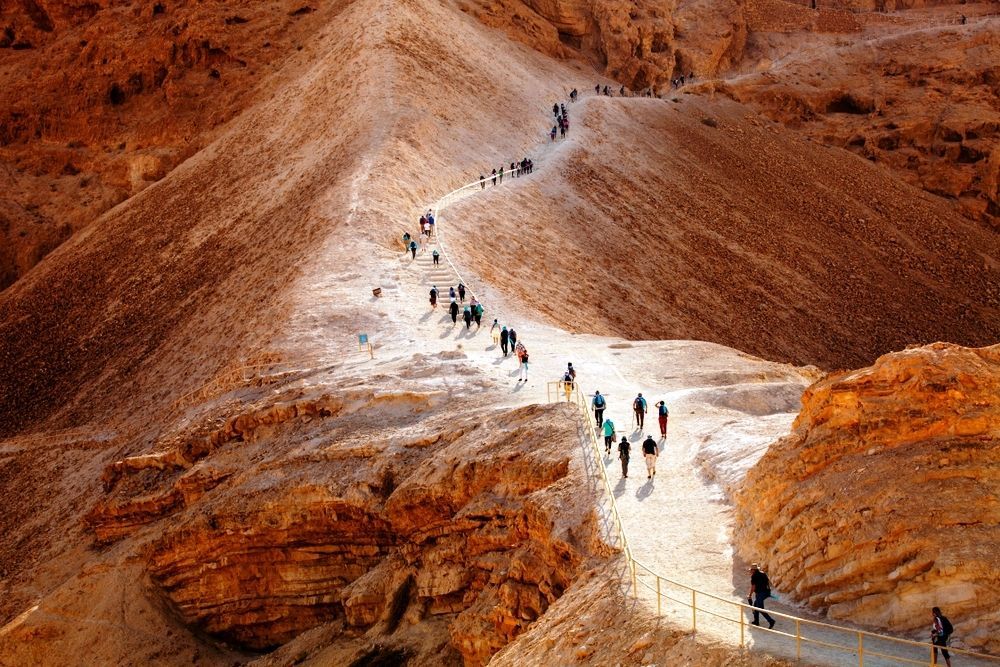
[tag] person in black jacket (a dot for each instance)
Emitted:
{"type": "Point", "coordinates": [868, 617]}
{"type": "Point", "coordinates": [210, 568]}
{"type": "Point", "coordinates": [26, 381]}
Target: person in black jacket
{"type": "Point", "coordinates": [940, 634]}
{"type": "Point", "coordinates": [504, 340]}
{"type": "Point", "coordinates": [650, 451]}
{"type": "Point", "coordinates": [453, 309]}
{"type": "Point", "coordinates": [760, 590]}
{"type": "Point", "coordinates": [623, 455]}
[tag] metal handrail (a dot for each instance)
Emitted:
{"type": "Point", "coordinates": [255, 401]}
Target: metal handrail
{"type": "Point", "coordinates": [558, 391]}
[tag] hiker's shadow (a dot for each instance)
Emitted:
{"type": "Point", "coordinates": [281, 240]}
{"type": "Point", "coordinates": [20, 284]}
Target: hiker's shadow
{"type": "Point", "coordinates": [620, 487]}
{"type": "Point", "coordinates": [519, 385]}
{"type": "Point", "coordinates": [643, 491]}
{"type": "Point", "coordinates": [446, 333]}
{"type": "Point", "coordinates": [491, 347]}
{"type": "Point", "coordinates": [499, 361]}
{"type": "Point", "coordinates": [427, 316]}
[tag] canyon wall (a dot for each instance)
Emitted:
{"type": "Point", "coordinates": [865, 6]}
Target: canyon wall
{"type": "Point", "coordinates": [883, 502]}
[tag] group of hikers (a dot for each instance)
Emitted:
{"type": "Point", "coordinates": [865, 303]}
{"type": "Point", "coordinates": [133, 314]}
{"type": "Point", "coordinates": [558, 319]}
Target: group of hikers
{"type": "Point", "coordinates": [471, 312]}
{"type": "Point", "coordinates": [562, 121]}
{"type": "Point", "coordinates": [426, 231]}
{"type": "Point", "coordinates": [650, 447]}
{"type": "Point", "coordinates": [525, 166]}
{"type": "Point", "coordinates": [506, 339]}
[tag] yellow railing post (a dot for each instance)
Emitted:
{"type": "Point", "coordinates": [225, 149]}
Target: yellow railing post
{"type": "Point", "coordinates": [861, 650]}
{"type": "Point", "coordinates": [739, 609]}
{"type": "Point", "coordinates": [635, 589]}
{"type": "Point", "coordinates": [694, 611]}
{"type": "Point", "coordinates": [659, 609]}
{"type": "Point", "coordinates": [798, 640]}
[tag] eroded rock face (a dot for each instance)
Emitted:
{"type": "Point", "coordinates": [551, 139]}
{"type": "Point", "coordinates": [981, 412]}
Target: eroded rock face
{"type": "Point", "coordinates": [100, 99]}
{"type": "Point", "coordinates": [884, 500]}
{"type": "Point", "coordinates": [474, 524]}
{"type": "Point", "coordinates": [641, 43]}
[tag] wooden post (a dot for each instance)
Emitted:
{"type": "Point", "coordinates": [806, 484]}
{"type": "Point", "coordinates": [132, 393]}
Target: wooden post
{"type": "Point", "coordinates": [694, 611]}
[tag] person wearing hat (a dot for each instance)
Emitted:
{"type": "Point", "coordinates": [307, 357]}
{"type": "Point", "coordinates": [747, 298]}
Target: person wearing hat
{"type": "Point", "coordinates": [760, 590]}
{"type": "Point", "coordinates": [623, 455]}
{"type": "Point", "coordinates": [649, 451]}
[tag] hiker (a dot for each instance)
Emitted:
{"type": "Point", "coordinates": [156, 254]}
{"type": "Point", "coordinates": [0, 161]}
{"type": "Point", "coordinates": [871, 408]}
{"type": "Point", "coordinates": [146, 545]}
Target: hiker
{"type": "Point", "coordinates": [494, 177]}
{"type": "Point", "coordinates": [639, 408]}
{"type": "Point", "coordinates": [562, 130]}
{"type": "Point", "coordinates": [451, 293]}
{"type": "Point", "coordinates": [511, 338]}
{"type": "Point", "coordinates": [599, 404]}
{"type": "Point", "coordinates": [663, 414]}
{"type": "Point", "coordinates": [500, 174]}
{"type": "Point", "coordinates": [522, 357]}
{"type": "Point", "coordinates": [423, 220]}
{"type": "Point", "coordinates": [940, 634]}
{"type": "Point", "coordinates": [495, 331]}
{"type": "Point", "coordinates": [760, 590]}
{"type": "Point", "coordinates": [482, 181]}
{"type": "Point", "coordinates": [413, 249]}
{"type": "Point", "coordinates": [608, 428]}
{"type": "Point", "coordinates": [477, 313]}
{"type": "Point", "coordinates": [437, 256]}
{"type": "Point", "coordinates": [406, 239]}
{"type": "Point", "coordinates": [434, 297]}
{"type": "Point", "coordinates": [461, 292]}
{"type": "Point", "coordinates": [572, 95]}
{"type": "Point", "coordinates": [467, 316]}
{"type": "Point", "coordinates": [519, 349]}
{"type": "Point", "coordinates": [649, 452]}
{"type": "Point", "coordinates": [682, 80]}
{"type": "Point", "coordinates": [623, 455]}
{"type": "Point", "coordinates": [504, 338]}
{"type": "Point", "coordinates": [514, 171]}
{"type": "Point", "coordinates": [555, 109]}
{"type": "Point", "coordinates": [621, 91]}
{"type": "Point", "coordinates": [607, 91]}
{"type": "Point", "coordinates": [567, 384]}
{"type": "Point", "coordinates": [453, 309]}
{"type": "Point", "coordinates": [597, 89]}
{"type": "Point", "coordinates": [552, 133]}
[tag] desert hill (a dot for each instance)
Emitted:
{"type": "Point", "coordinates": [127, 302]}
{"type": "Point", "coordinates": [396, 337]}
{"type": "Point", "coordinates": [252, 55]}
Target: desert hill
{"type": "Point", "coordinates": [693, 218]}
{"type": "Point", "coordinates": [200, 465]}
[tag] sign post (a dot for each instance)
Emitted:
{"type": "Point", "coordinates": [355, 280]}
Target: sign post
{"type": "Point", "coordinates": [363, 342]}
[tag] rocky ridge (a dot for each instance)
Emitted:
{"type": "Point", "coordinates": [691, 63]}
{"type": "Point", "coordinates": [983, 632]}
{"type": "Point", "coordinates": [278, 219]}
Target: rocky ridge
{"type": "Point", "coordinates": [883, 502]}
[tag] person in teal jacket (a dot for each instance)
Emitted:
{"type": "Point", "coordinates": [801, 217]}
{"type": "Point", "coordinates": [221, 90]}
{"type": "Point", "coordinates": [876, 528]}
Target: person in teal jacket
{"type": "Point", "coordinates": [609, 435]}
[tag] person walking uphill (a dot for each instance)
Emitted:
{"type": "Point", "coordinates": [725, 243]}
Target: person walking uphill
{"type": "Point", "coordinates": [512, 339]}
{"type": "Point", "coordinates": [477, 314]}
{"type": "Point", "coordinates": [623, 454]}
{"type": "Point", "coordinates": [495, 331]}
{"type": "Point", "coordinates": [434, 297]}
{"type": "Point", "coordinates": [467, 317]}
{"type": "Point", "coordinates": [940, 634]}
{"type": "Point", "coordinates": [461, 292]}
{"type": "Point", "coordinates": [760, 590]}
{"type": "Point", "coordinates": [608, 428]}
{"type": "Point", "coordinates": [639, 408]}
{"type": "Point", "coordinates": [649, 451]}
{"type": "Point", "coordinates": [437, 257]}
{"type": "Point", "coordinates": [663, 414]}
{"type": "Point", "coordinates": [599, 405]}
{"type": "Point", "coordinates": [413, 249]}
{"type": "Point", "coordinates": [453, 309]}
{"type": "Point", "coordinates": [504, 339]}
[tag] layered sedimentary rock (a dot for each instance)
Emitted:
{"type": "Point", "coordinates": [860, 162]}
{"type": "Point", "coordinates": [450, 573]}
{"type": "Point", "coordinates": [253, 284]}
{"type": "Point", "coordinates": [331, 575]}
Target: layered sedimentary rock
{"type": "Point", "coordinates": [367, 526]}
{"type": "Point", "coordinates": [883, 502]}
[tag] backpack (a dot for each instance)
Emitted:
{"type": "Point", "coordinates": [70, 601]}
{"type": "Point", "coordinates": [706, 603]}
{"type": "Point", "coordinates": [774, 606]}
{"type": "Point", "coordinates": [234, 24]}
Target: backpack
{"type": "Point", "coordinates": [663, 411]}
{"type": "Point", "coordinates": [946, 626]}
{"type": "Point", "coordinates": [567, 378]}
{"type": "Point", "coordinates": [599, 401]}
{"type": "Point", "coordinates": [638, 403]}
{"type": "Point", "coordinates": [524, 356]}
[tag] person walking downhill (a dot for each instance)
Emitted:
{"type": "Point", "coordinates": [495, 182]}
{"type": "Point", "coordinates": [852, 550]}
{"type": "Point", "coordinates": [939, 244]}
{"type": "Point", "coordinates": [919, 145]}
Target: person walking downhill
{"type": "Point", "coordinates": [663, 414]}
{"type": "Point", "coordinates": [451, 293]}
{"type": "Point", "coordinates": [413, 249]}
{"type": "Point", "coordinates": [552, 133]}
{"type": "Point", "coordinates": [482, 181]}
{"type": "Point", "coordinates": [941, 632]}
{"type": "Point", "coordinates": [599, 404]}
{"type": "Point", "coordinates": [437, 257]}
{"type": "Point", "coordinates": [608, 428]}
{"type": "Point", "coordinates": [467, 316]}
{"type": "Point", "coordinates": [453, 309]}
{"type": "Point", "coordinates": [500, 174]}
{"type": "Point", "coordinates": [461, 292]}
{"type": "Point", "coordinates": [639, 408]}
{"type": "Point", "coordinates": [495, 331]}
{"type": "Point", "coordinates": [623, 455]}
{"type": "Point", "coordinates": [434, 297]}
{"type": "Point", "coordinates": [650, 451]}
{"type": "Point", "coordinates": [760, 590]}
{"type": "Point", "coordinates": [511, 339]}
{"type": "Point", "coordinates": [504, 339]}
{"type": "Point", "coordinates": [523, 369]}
{"type": "Point", "coordinates": [494, 177]}
{"type": "Point", "coordinates": [477, 314]}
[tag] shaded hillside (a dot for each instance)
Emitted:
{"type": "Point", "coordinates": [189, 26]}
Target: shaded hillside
{"type": "Point", "coordinates": [100, 99]}
{"type": "Point", "coordinates": [695, 219]}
